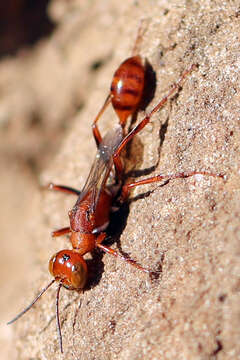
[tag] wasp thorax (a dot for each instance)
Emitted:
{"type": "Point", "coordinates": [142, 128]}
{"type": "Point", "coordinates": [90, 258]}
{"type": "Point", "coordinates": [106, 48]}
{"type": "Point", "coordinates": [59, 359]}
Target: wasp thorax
{"type": "Point", "coordinates": [69, 267]}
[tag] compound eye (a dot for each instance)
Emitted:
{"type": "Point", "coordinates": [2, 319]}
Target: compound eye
{"type": "Point", "coordinates": [79, 275]}
{"type": "Point", "coordinates": [51, 264]}
{"type": "Point", "coordinates": [69, 267]}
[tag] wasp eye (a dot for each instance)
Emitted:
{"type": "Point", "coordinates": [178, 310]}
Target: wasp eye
{"type": "Point", "coordinates": [79, 275]}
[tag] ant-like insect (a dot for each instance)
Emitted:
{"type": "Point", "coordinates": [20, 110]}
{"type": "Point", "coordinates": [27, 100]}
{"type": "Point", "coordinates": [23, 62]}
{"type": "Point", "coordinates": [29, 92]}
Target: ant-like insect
{"type": "Point", "coordinates": [90, 215]}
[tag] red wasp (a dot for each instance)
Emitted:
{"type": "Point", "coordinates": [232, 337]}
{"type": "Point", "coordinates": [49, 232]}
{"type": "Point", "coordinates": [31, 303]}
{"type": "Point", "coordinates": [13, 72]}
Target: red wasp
{"type": "Point", "coordinates": [89, 218]}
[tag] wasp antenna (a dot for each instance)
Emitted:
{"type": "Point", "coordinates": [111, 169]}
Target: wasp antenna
{"type": "Point", "coordinates": [57, 318]}
{"type": "Point", "coordinates": [32, 303]}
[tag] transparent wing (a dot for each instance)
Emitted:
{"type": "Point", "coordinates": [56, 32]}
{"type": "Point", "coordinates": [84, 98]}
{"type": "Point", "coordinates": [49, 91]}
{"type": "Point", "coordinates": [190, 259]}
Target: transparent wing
{"type": "Point", "coordinates": [101, 166]}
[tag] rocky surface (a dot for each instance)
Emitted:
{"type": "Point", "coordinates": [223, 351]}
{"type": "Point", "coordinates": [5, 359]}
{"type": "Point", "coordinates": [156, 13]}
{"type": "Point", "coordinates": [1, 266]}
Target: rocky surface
{"type": "Point", "coordinates": [188, 228]}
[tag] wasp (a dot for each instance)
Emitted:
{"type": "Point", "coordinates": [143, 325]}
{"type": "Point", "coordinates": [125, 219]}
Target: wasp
{"type": "Point", "coordinates": [90, 216]}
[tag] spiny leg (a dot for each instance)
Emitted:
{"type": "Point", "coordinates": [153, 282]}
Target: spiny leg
{"type": "Point", "coordinates": [116, 156]}
{"type": "Point", "coordinates": [127, 187]}
{"type": "Point", "coordinates": [141, 30]}
{"type": "Point", "coordinates": [147, 118]}
{"type": "Point", "coordinates": [95, 129]}
{"type": "Point", "coordinates": [63, 188]}
{"type": "Point", "coordinates": [68, 190]}
{"type": "Point", "coordinates": [118, 164]}
{"type": "Point", "coordinates": [115, 253]}
{"type": "Point", "coordinates": [62, 231]}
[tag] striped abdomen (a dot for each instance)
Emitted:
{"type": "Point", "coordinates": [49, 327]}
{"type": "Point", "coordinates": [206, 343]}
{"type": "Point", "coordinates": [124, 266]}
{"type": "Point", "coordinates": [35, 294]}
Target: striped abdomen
{"type": "Point", "coordinates": [127, 87]}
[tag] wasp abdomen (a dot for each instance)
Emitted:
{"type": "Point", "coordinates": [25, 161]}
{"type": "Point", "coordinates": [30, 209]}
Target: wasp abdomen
{"type": "Point", "coordinates": [127, 87]}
